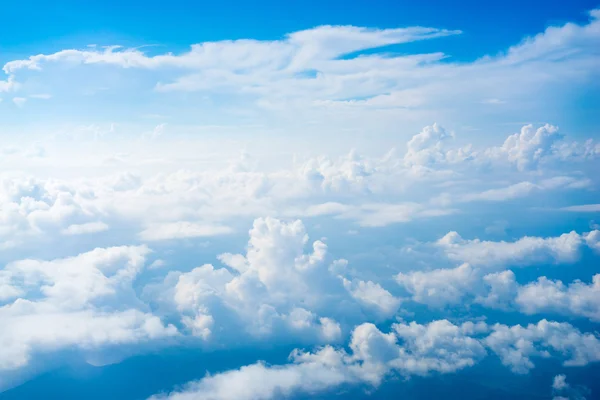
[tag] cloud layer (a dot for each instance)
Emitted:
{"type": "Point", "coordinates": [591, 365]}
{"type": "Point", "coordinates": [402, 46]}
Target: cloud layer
{"type": "Point", "coordinates": [226, 209]}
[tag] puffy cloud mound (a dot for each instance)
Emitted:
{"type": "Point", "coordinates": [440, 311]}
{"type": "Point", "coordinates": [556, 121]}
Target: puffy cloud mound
{"type": "Point", "coordinates": [576, 299]}
{"type": "Point", "coordinates": [517, 344]}
{"type": "Point", "coordinates": [527, 148]}
{"type": "Point", "coordinates": [372, 295]}
{"type": "Point", "coordinates": [437, 347]}
{"type": "Point", "coordinates": [427, 147]}
{"type": "Point", "coordinates": [562, 390]}
{"type": "Point", "coordinates": [439, 287]}
{"type": "Point", "coordinates": [467, 284]}
{"type": "Point", "coordinates": [525, 251]}
{"type": "Point", "coordinates": [408, 349]}
{"type": "Point", "coordinates": [82, 302]}
{"type": "Point", "coordinates": [560, 382]}
{"type": "Point", "coordinates": [275, 287]}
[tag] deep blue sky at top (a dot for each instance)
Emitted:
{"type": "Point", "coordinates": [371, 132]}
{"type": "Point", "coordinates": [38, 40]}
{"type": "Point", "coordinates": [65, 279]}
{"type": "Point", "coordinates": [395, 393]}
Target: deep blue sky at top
{"type": "Point", "coordinates": [489, 26]}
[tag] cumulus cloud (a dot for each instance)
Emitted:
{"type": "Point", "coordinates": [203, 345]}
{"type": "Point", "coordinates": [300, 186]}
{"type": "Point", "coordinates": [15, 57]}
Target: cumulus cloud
{"type": "Point", "coordinates": [464, 285]}
{"type": "Point", "coordinates": [274, 287]}
{"type": "Point", "coordinates": [500, 290]}
{"type": "Point", "coordinates": [372, 295]}
{"type": "Point", "coordinates": [440, 287]}
{"type": "Point", "coordinates": [471, 282]}
{"type": "Point", "coordinates": [527, 148]}
{"type": "Point", "coordinates": [576, 299]}
{"type": "Point", "coordinates": [525, 251]}
{"type": "Point", "coordinates": [427, 147]}
{"type": "Point", "coordinates": [516, 345]}
{"type": "Point", "coordinates": [83, 302]}
{"type": "Point", "coordinates": [593, 239]}
{"type": "Point", "coordinates": [560, 382]}
{"type": "Point", "coordinates": [544, 295]}
{"type": "Point", "coordinates": [561, 389]}
{"type": "Point", "coordinates": [90, 227]}
{"type": "Point", "coordinates": [9, 84]}
{"type": "Point", "coordinates": [408, 349]}
{"type": "Point", "coordinates": [437, 347]}
{"type": "Point", "coordinates": [261, 381]}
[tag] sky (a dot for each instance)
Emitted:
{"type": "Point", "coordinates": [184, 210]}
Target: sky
{"type": "Point", "coordinates": [294, 200]}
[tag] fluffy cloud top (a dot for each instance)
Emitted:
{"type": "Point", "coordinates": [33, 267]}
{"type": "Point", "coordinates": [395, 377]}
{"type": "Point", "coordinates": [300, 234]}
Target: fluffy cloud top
{"type": "Point", "coordinates": [82, 302]}
{"type": "Point", "coordinates": [472, 283]}
{"type": "Point", "coordinates": [525, 251]}
{"type": "Point", "coordinates": [409, 349]}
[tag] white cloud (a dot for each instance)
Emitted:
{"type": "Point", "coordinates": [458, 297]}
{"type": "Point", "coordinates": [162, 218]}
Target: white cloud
{"type": "Point", "coordinates": [83, 302]}
{"type": "Point", "coordinates": [426, 147]}
{"type": "Point", "coordinates": [544, 295]}
{"type": "Point", "coordinates": [156, 264]}
{"type": "Point", "coordinates": [465, 285]}
{"type": "Point", "coordinates": [409, 349]}
{"type": "Point", "coordinates": [527, 148]}
{"type": "Point", "coordinates": [262, 382]}
{"type": "Point", "coordinates": [30, 329]}
{"type": "Point", "coordinates": [440, 287]}
{"type": "Point", "coordinates": [525, 251]}
{"type": "Point", "coordinates": [274, 287]}
{"type": "Point", "coordinates": [236, 261]}
{"type": "Point", "coordinates": [500, 290]}
{"type": "Point", "coordinates": [562, 390]}
{"type": "Point", "coordinates": [517, 190]}
{"type": "Point", "coordinates": [19, 101]}
{"type": "Point", "coordinates": [41, 96]}
{"type": "Point", "coordinates": [593, 239]}
{"type": "Point", "coordinates": [82, 229]}
{"type": "Point", "coordinates": [517, 344]}
{"type": "Point", "coordinates": [560, 382]}
{"type": "Point", "coordinates": [181, 230]}
{"type": "Point", "coordinates": [383, 214]}
{"type": "Point", "coordinates": [439, 346]}
{"type": "Point", "coordinates": [576, 299]}
{"type": "Point", "coordinates": [372, 295]}
{"type": "Point", "coordinates": [9, 84]}
{"type": "Point", "coordinates": [523, 189]}
{"type": "Point", "coordinates": [469, 283]}
{"type": "Point", "coordinates": [323, 42]}
{"type": "Point", "coordinates": [583, 208]}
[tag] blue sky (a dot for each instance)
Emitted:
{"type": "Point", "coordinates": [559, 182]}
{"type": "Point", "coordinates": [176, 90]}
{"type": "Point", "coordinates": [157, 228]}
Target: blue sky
{"type": "Point", "coordinates": [272, 200]}
{"type": "Point", "coordinates": [185, 22]}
